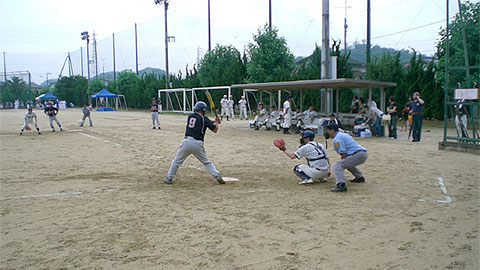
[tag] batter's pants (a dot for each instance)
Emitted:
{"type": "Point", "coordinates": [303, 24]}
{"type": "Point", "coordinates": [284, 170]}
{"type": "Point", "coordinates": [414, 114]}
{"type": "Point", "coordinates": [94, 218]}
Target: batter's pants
{"type": "Point", "coordinates": [350, 163]}
{"type": "Point", "coordinates": [53, 118]}
{"type": "Point", "coordinates": [190, 146]}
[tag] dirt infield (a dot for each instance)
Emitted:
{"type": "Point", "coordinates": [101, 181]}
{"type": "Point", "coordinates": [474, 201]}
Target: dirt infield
{"type": "Point", "coordinates": [92, 198]}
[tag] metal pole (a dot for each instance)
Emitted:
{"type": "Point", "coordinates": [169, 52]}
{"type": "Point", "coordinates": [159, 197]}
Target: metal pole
{"type": "Point", "coordinates": [114, 69]}
{"type": "Point", "coordinates": [369, 45]}
{"type": "Point", "coordinates": [270, 14]}
{"type": "Point", "coordinates": [5, 68]}
{"type": "Point", "coordinates": [136, 50]}
{"type": "Point", "coordinates": [209, 33]}
{"type": "Point", "coordinates": [88, 60]}
{"type": "Point", "coordinates": [96, 55]}
{"type": "Point", "coordinates": [447, 56]}
{"type": "Point", "coordinates": [465, 51]}
{"type": "Point", "coordinates": [345, 26]}
{"type": "Point", "coordinates": [325, 51]}
{"type": "Point", "coordinates": [166, 46]}
{"type": "Point", "coordinates": [81, 59]}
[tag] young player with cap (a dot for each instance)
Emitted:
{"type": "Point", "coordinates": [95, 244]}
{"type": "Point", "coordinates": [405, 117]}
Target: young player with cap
{"type": "Point", "coordinates": [52, 112]}
{"type": "Point", "coordinates": [30, 118]}
{"type": "Point", "coordinates": [154, 109]}
{"type": "Point", "coordinates": [242, 103]}
{"type": "Point", "coordinates": [197, 124]}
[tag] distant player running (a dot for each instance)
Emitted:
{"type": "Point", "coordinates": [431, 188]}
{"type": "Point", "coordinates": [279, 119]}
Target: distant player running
{"type": "Point", "coordinates": [197, 124]}
{"type": "Point", "coordinates": [30, 118]}
{"type": "Point", "coordinates": [52, 112]}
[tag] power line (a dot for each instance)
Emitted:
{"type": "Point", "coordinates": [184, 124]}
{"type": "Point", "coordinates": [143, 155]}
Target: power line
{"type": "Point", "coordinates": [410, 29]}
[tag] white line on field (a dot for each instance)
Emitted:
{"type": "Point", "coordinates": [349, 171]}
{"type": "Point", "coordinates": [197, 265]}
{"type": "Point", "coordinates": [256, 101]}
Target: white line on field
{"type": "Point", "coordinates": [41, 195]}
{"type": "Point", "coordinates": [448, 199]}
{"type": "Point", "coordinates": [119, 145]}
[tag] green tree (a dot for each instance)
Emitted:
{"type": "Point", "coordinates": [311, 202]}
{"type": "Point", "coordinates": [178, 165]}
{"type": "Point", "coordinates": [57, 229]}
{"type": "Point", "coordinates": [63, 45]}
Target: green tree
{"type": "Point", "coordinates": [15, 88]}
{"type": "Point", "coordinates": [95, 86]}
{"type": "Point", "coordinates": [72, 89]}
{"type": "Point", "coordinates": [131, 85]}
{"type": "Point", "coordinates": [269, 57]}
{"type": "Point", "coordinates": [221, 66]}
{"type": "Point", "coordinates": [471, 15]}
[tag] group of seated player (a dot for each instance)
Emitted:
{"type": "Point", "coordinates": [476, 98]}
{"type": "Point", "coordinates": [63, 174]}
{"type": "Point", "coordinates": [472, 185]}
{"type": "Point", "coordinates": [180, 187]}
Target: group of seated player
{"type": "Point", "coordinates": [300, 120]}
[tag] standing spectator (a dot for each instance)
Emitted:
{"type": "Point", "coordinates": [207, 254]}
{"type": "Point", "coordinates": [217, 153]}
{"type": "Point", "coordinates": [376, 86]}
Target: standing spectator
{"type": "Point", "coordinates": [355, 106]}
{"type": "Point", "coordinates": [392, 125]}
{"type": "Point", "coordinates": [416, 108]}
{"type": "Point", "coordinates": [378, 113]}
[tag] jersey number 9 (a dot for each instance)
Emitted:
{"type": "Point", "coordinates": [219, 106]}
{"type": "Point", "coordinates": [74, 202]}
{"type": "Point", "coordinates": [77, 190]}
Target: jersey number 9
{"type": "Point", "coordinates": [192, 122]}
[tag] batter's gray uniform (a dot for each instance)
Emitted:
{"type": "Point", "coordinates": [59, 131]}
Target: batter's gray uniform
{"type": "Point", "coordinates": [192, 144]}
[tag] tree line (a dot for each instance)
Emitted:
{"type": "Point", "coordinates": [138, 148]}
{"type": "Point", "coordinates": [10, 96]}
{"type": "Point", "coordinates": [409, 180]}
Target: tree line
{"type": "Point", "coordinates": [268, 59]}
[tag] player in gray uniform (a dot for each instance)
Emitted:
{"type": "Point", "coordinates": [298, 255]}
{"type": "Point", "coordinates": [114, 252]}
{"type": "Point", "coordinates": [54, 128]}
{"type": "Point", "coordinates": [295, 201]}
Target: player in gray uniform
{"type": "Point", "coordinates": [242, 103]}
{"type": "Point", "coordinates": [86, 113]}
{"type": "Point", "coordinates": [52, 112]}
{"type": "Point", "coordinates": [197, 124]}
{"type": "Point", "coordinates": [318, 163]}
{"type": "Point", "coordinates": [30, 118]}
{"type": "Point", "coordinates": [231, 110]}
{"type": "Point", "coordinates": [154, 109]}
{"type": "Point", "coordinates": [224, 107]}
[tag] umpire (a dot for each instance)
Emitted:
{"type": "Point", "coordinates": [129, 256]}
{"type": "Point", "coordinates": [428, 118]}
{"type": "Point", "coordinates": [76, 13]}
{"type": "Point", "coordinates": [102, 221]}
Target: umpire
{"type": "Point", "coordinates": [352, 154]}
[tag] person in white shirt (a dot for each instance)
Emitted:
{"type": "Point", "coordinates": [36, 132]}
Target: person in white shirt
{"type": "Point", "coordinates": [231, 110]}
{"type": "Point", "coordinates": [30, 118]}
{"type": "Point", "coordinates": [261, 117]}
{"type": "Point", "coordinates": [242, 103]}
{"type": "Point", "coordinates": [318, 167]}
{"type": "Point", "coordinates": [224, 107]}
{"type": "Point", "coordinates": [287, 115]}
{"type": "Point", "coordinates": [378, 113]}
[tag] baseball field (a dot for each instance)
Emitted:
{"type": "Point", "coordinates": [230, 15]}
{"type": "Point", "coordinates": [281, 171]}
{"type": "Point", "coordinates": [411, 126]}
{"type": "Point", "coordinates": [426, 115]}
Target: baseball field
{"type": "Point", "coordinates": [93, 198]}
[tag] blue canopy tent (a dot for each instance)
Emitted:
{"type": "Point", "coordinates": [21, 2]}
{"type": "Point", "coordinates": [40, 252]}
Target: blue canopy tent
{"type": "Point", "coordinates": [46, 96]}
{"type": "Point", "coordinates": [104, 95]}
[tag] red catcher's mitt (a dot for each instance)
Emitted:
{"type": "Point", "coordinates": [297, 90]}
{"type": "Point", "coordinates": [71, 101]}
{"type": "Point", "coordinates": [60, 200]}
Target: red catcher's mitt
{"type": "Point", "coordinates": [279, 143]}
{"type": "Point", "coordinates": [27, 128]}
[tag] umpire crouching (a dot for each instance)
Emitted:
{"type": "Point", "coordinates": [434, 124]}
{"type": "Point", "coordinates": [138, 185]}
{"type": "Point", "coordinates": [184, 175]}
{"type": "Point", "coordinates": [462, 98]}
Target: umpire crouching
{"type": "Point", "coordinates": [352, 154]}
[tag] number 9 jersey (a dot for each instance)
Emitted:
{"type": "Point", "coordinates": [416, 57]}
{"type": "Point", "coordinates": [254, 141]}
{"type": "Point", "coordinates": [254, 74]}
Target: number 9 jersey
{"type": "Point", "coordinates": [197, 124]}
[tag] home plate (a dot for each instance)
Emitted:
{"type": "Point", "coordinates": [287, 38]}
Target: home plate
{"type": "Point", "coordinates": [229, 179]}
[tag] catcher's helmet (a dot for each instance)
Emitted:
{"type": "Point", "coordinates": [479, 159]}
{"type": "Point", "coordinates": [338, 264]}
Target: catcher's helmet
{"type": "Point", "coordinates": [200, 107]}
{"type": "Point", "coordinates": [308, 134]}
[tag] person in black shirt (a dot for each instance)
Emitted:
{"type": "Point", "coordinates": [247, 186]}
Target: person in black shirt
{"type": "Point", "coordinates": [154, 109]}
{"type": "Point", "coordinates": [52, 112]}
{"type": "Point", "coordinates": [197, 124]}
{"type": "Point", "coordinates": [355, 106]}
{"type": "Point", "coordinates": [392, 125]}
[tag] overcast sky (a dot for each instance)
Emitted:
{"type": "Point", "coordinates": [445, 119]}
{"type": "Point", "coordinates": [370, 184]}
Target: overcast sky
{"type": "Point", "coordinates": [36, 35]}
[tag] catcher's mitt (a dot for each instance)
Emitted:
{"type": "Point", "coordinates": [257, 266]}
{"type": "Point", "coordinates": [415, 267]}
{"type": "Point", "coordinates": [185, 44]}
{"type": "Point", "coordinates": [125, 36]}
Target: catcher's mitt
{"type": "Point", "coordinates": [279, 143]}
{"type": "Point", "coordinates": [28, 128]}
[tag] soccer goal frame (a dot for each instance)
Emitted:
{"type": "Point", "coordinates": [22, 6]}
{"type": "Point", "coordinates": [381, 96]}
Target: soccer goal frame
{"type": "Point", "coordinates": [177, 100]}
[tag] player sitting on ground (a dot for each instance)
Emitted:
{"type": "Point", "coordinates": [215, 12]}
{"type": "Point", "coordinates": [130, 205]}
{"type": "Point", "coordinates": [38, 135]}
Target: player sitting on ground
{"type": "Point", "coordinates": [318, 163]}
{"type": "Point", "coordinates": [197, 124]}
{"type": "Point", "coordinates": [271, 118]}
{"type": "Point", "coordinates": [260, 117]}
{"type": "Point", "coordinates": [30, 118]}
{"type": "Point", "coordinates": [297, 119]}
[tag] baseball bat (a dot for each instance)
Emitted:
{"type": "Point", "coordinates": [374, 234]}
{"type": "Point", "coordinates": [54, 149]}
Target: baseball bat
{"type": "Point", "coordinates": [212, 104]}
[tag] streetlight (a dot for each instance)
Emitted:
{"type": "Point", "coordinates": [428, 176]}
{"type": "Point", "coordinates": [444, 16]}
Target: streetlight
{"type": "Point", "coordinates": [85, 36]}
{"type": "Point", "coordinates": [165, 3]}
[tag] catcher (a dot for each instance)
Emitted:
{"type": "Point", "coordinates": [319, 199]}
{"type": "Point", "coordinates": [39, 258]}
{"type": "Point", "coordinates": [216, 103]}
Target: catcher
{"type": "Point", "coordinates": [30, 118]}
{"type": "Point", "coordinates": [318, 167]}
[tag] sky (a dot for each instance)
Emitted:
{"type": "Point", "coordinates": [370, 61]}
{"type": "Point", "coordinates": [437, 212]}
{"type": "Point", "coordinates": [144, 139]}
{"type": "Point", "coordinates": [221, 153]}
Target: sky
{"type": "Point", "coordinates": [37, 35]}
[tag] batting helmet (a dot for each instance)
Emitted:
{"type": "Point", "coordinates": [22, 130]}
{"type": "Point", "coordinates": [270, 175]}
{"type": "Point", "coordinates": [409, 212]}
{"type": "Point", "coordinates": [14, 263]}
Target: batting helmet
{"type": "Point", "coordinates": [308, 134]}
{"type": "Point", "coordinates": [200, 107]}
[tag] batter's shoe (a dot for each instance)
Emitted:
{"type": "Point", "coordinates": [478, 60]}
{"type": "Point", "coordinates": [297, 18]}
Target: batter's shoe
{"type": "Point", "coordinates": [341, 187]}
{"type": "Point", "coordinates": [168, 181]}
{"type": "Point", "coordinates": [220, 180]}
{"type": "Point", "coordinates": [306, 181]}
{"type": "Point", "coordinates": [360, 179]}
{"type": "Point", "coordinates": [158, 128]}
{"type": "Point", "coordinates": [153, 127]}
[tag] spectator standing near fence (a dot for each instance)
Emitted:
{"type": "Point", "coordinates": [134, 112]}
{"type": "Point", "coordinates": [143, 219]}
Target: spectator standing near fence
{"type": "Point", "coordinates": [392, 124]}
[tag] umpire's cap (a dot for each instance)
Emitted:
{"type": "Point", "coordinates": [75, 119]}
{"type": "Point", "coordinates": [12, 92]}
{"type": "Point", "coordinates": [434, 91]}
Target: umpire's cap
{"type": "Point", "coordinates": [308, 134]}
{"type": "Point", "coordinates": [200, 107]}
{"type": "Point", "coordinates": [332, 127]}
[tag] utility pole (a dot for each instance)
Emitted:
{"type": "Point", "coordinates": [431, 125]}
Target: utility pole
{"type": "Point", "coordinates": [136, 49]}
{"type": "Point", "coordinates": [5, 68]}
{"type": "Point", "coordinates": [96, 55]}
{"type": "Point", "coordinates": [165, 3]}
{"type": "Point", "coordinates": [270, 14]}
{"type": "Point", "coordinates": [114, 70]}
{"type": "Point", "coordinates": [325, 107]}
{"type": "Point", "coordinates": [369, 45]}
{"type": "Point", "coordinates": [345, 26]}
{"type": "Point", "coordinates": [209, 32]}
{"type": "Point", "coordinates": [85, 36]}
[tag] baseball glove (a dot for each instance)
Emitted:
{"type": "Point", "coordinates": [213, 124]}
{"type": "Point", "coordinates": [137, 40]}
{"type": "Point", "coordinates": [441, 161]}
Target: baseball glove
{"type": "Point", "coordinates": [28, 128]}
{"type": "Point", "coordinates": [279, 143]}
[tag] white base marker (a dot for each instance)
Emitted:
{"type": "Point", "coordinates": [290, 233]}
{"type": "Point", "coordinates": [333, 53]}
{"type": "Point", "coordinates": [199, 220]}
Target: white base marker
{"type": "Point", "coordinates": [230, 179]}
